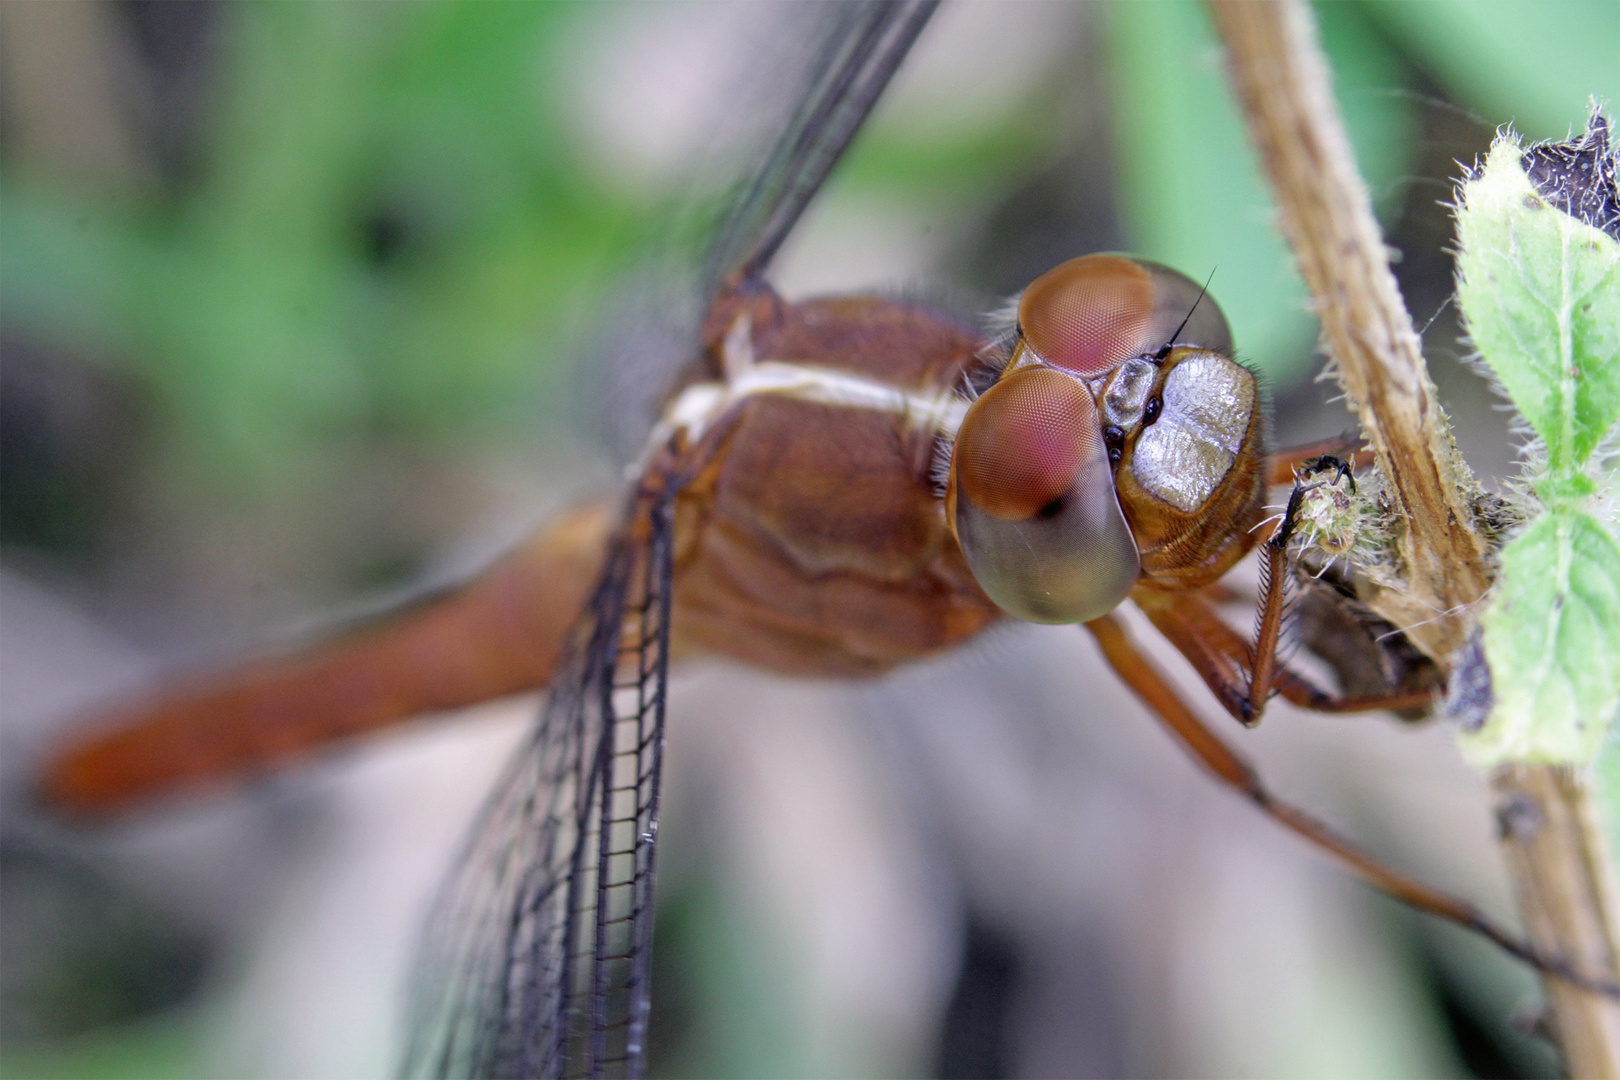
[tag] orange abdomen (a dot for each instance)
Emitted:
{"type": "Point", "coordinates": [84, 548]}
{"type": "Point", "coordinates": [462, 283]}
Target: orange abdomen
{"type": "Point", "coordinates": [499, 634]}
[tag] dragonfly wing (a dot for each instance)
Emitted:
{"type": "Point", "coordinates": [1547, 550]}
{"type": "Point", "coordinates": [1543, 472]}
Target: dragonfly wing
{"type": "Point", "coordinates": [813, 81]}
{"type": "Point", "coordinates": [535, 961]}
{"type": "Point", "coordinates": [536, 954]}
{"type": "Point", "coordinates": [856, 55]}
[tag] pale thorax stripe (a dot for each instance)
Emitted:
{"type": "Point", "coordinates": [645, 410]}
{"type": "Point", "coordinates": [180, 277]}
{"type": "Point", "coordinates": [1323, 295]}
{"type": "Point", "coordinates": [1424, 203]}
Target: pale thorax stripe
{"type": "Point", "coordinates": [696, 408]}
{"type": "Point", "coordinates": [699, 406]}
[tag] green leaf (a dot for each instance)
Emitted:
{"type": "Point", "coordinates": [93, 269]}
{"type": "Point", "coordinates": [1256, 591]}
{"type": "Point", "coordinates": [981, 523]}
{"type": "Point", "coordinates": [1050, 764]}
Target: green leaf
{"type": "Point", "coordinates": [1541, 293]}
{"type": "Point", "coordinates": [1552, 639]}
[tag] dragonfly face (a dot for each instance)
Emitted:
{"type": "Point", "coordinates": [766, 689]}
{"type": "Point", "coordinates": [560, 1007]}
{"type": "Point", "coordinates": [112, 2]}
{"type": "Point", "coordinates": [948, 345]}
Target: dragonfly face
{"type": "Point", "coordinates": [1118, 445]}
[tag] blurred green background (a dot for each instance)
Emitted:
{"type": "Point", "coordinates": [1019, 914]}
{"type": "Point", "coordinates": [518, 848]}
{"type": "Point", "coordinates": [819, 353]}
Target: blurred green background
{"type": "Point", "coordinates": [291, 293]}
{"type": "Point", "coordinates": [287, 232]}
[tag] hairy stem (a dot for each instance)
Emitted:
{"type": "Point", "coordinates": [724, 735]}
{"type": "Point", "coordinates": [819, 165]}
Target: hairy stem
{"type": "Point", "coordinates": [1557, 857]}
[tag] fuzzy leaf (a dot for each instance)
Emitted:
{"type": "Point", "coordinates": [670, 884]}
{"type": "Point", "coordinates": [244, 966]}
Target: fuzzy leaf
{"type": "Point", "coordinates": [1552, 637]}
{"type": "Point", "coordinates": [1541, 293]}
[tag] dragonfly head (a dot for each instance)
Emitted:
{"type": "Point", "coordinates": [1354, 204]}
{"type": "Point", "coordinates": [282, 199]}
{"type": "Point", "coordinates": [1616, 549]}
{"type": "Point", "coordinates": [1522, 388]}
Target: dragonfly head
{"type": "Point", "coordinates": [1109, 448]}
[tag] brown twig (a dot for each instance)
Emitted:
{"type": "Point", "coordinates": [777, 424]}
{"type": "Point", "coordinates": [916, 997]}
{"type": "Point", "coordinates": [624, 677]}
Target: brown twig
{"type": "Point", "coordinates": [1557, 859]}
{"type": "Point", "coordinates": [1555, 851]}
{"type": "Point", "coordinates": [1284, 85]}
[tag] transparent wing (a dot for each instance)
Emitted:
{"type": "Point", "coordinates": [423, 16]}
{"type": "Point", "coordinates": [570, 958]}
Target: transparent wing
{"type": "Point", "coordinates": [535, 957]}
{"type": "Point", "coordinates": [809, 90]}
{"type": "Point", "coordinates": [858, 52]}
{"type": "Point", "coordinates": [536, 953]}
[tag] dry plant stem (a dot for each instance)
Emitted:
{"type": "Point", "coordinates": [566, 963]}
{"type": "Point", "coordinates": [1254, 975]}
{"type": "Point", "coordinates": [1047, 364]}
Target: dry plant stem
{"type": "Point", "coordinates": [1284, 86]}
{"type": "Point", "coordinates": [1553, 839]}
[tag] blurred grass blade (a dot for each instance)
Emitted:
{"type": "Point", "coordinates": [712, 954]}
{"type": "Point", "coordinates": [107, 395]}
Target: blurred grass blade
{"type": "Point", "coordinates": [1534, 62]}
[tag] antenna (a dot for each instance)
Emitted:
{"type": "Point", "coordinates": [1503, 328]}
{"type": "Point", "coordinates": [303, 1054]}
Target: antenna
{"type": "Point", "coordinates": [1164, 350]}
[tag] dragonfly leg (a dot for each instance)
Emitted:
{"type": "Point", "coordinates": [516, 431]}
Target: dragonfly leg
{"type": "Point", "coordinates": [1280, 466]}
{"type": "Point", "coordinates": [1221, 657]}
{"type": "Point", "coordinates": [1242, 676]}
{"type": "Point", "coordinates": [1150, 685]}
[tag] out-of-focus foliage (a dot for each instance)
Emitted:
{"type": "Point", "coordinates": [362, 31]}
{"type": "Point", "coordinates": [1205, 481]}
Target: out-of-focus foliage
{"type": "Point", "coordinates": [1607, 774]}
{"type": "Point", "coordinates": [388, 230]}
{"type": "Point", "coordinates": [392, 228]}
{"type": "Point", "coordinates": [1533, 65]}
{"type": "Point", "coordinates": [163, 1047]}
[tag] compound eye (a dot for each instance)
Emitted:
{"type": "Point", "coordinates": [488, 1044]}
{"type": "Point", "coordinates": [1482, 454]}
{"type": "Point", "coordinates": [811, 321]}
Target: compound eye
{"type": "Point", "coordinates": [1091, 314]}
{"type": "Point", "coordinates": [1033, 500]}
{"type": "Point", "coordinates": [1024, 441]}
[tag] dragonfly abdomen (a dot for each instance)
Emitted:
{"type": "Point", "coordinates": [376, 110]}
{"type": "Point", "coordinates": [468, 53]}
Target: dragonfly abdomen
{"type": "Point", "coordinates": [499, 634]}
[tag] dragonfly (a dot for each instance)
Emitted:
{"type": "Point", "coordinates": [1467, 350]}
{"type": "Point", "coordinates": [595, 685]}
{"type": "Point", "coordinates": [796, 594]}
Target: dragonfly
{"type": "Point", "coordinates": [835, 487]}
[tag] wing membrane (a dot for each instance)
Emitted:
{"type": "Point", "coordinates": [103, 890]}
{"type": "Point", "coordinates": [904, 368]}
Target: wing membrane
{"type": "Point", "coordinates": [846, 75]}
{"type": "Point", "coordinates": [834, 60]}
{"type": "Point", "coordinates": [535, 960]}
